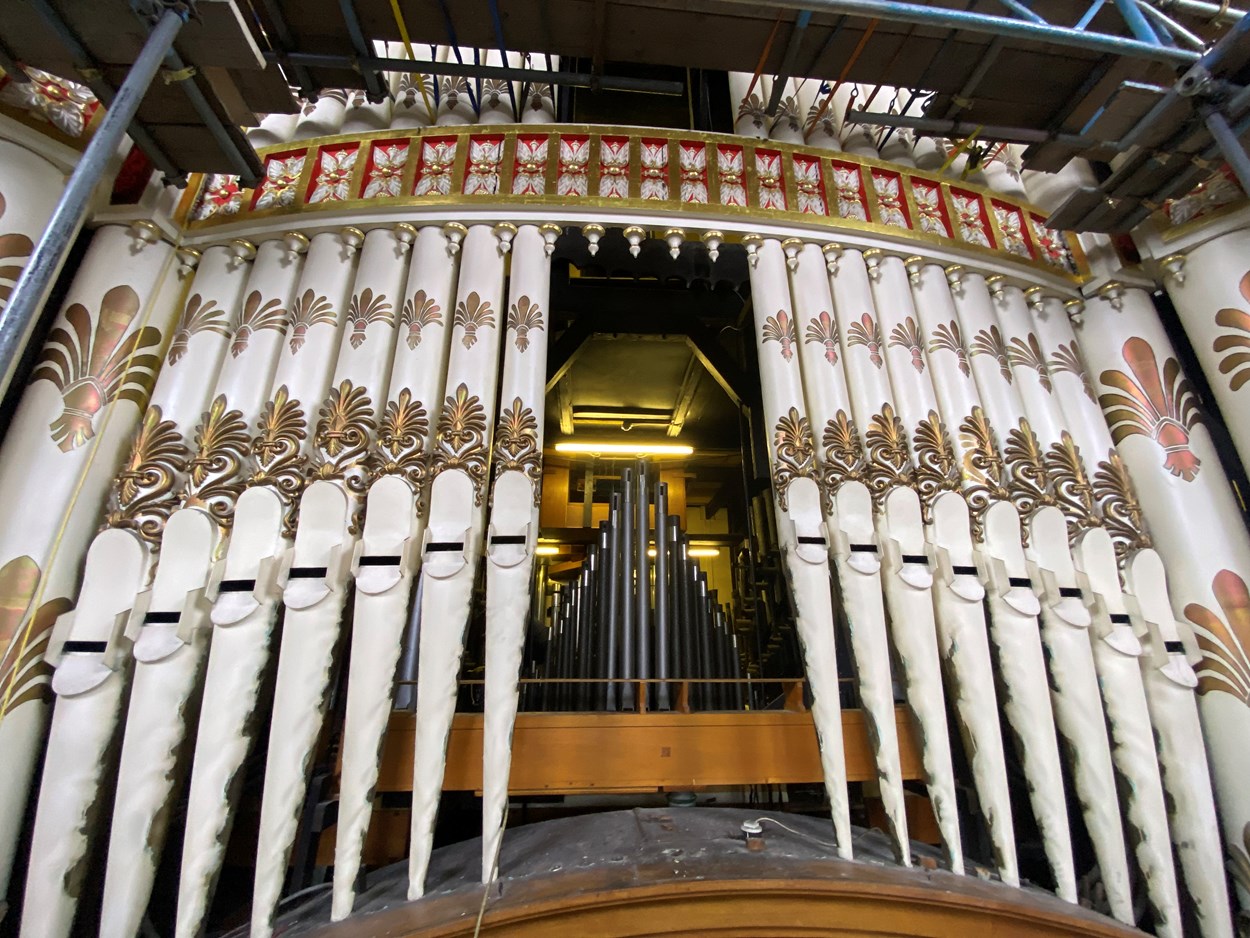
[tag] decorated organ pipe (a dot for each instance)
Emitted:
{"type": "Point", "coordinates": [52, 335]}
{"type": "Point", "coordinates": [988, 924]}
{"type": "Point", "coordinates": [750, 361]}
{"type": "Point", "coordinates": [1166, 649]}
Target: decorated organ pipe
{"type": "Point", "coordinates": [800, 524]}
{"type": "Point", "coordinates": [389, 554]}
{"type": "Point", "coordinates": [70, 432]}
{"type": "Point", "coordinates": [513, 532]}
{"type": "Point", "coordinates": [453, 534]}
{"type": "Point", "coordinates": [172, 645]}
{"type": "Point", "coordinates": [330, 512]}
{"type": "Point", "coordinates": [1023, 385]}
{"type": "Point", "coordinates": [1167, 676]}
{"type": "Point", "coordinates": [1113, 647]}
{"type": "Point", "coordinates": [956, 532]}
{"type": "Point", "coordinates": [1001, 563]}
{"type": "Point", "coordinates": [847, 505]}
{"type": "Point", "coordinates": [245, 610]}
{"type": "Point", "coordinates": [29, 187]}
{"type": "Point", "coordinates": [1159, 432]}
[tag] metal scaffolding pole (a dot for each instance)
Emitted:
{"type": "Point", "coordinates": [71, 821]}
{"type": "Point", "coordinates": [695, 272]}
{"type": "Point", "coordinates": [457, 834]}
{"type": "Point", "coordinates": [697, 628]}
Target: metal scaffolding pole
{"type": "Point", "coordinates": [18, 318]}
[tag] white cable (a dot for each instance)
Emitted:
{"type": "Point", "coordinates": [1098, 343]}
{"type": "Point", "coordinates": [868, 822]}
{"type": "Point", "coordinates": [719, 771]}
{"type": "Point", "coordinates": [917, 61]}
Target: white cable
{"type": "Point", "coordinates": [755, 827]}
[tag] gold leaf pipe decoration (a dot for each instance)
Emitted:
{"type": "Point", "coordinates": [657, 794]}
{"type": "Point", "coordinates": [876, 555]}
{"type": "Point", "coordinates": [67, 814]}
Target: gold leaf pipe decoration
{"type": "Point", "coordinates": [983, 467]}
{"type": "Point", "coordinates": [215, 476]}
{"type": "Point", "coordinates": [516, 444]}
{"type": "Point", "coordinates": [937, 466]}
{"type": "Point", "coordinates": [844, 456]}
{"type": "Point", "coordinates": [1117, 501]}
{"type": "Point", "coordinates": [143, 492]}
{"type": "Point", "coordinates": [460, 440]}
{"type": "Point", "coordinates": [400, 448]}
{"type": "Point", "coordinates": [795, 451]}
{"type": "Point", "coordinates": [888, 462]}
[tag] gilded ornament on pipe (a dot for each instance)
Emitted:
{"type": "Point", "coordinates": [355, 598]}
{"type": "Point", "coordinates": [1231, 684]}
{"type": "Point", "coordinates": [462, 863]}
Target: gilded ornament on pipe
{"type": "Point", "coordinates": [516, 445]}
{"type": "Point", "coordinates": [888, 461]}
{"type": "Point", "coordinates": [215, 472]}
{"type": "Point", "coordinates": [983, 468]}
{"type": "Point", "coordinates": [345, 426]}
{"type": "Point", "coordinates": [143, 492]}
{"type": "Point", "coordinates": [1117, 501]}
{"type": "Point", "coordinates": [795, 454]}
{"type": "Point", "coordinates": [400, 448]}
{"type": "Point", "coordinates": [937, 466]}
{"type": "Point", "coordinates": [460, 440]}
{"type": "Point", "coordinates": [844, 456]}
{"type": "Point", "coordinates": [1071, 486]}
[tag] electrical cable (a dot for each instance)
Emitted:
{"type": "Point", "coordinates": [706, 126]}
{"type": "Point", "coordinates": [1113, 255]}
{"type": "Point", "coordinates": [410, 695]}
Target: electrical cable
{"type": "Point", "coordinates": [754, 827]}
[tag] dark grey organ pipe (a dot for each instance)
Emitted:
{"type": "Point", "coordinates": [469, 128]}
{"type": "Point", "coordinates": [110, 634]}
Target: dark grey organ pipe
{"type": "Point", "coordinates": [626, 579]}
{"type": "Point", "coordinates": [612, 570]}
{"type": "Point", "coordinates": [643, 574]}
{"type": "Point", "coordinates": [662, 701]}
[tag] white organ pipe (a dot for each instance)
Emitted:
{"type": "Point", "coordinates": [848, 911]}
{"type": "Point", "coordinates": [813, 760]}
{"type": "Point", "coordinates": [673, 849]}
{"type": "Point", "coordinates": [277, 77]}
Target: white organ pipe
{"type": "Point", "coordinates": [748, 116]}
{"type": "Point", "coordinates": [800, 525]}
{"type": "Point", "coordinates": [413, 91]}
{"type": "Point", "coordinates": [458, 100]}
{"type": "Point", "coordinates": [1167, 677]}
{"type": "Point", "coordinates": [539, 104]}
{"type": "Point", "coordinates": [273, 130]}
{"type": "Point", "coordinates": [389, 554]}
{"type": "Point", "coordinates": [67, 436]}
{"type": "Point", "coordinates": [496, 103]}
{"type": "Point", "coordinates": [172, 645]}
{"type": "Point", "coordinates": [956, 590]}
{"type": "Point", "coordinates": [246, 607]}
{"type": "Point", "coordinates": [1001, 560]}
{"type": "Point", "coordinates": [325, 541]}
{"type": "Point", "coordinates": [453, 535]}
{"type": "Point", "coordinates": [323, 117]}
{"type": "Point", "coordinates": [513, 531]}
{"type": "Point", "coordinates": [1187, 500]}
{"type": "Point", "coordinates": [1065, 620]}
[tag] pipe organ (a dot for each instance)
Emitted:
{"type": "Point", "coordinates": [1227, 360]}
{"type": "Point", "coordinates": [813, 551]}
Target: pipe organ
{"type": "Point", "coordinates": [279, 465]}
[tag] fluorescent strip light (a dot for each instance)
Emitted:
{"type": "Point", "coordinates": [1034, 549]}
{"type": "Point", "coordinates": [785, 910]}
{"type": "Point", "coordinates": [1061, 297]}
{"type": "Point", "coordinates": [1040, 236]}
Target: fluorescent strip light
{"type": "Point", "coordinates": [547, 550]}
{"type": "Point", "coordinates": [626, 449]}
{"type": "Point", "coordinates": [703, 552]}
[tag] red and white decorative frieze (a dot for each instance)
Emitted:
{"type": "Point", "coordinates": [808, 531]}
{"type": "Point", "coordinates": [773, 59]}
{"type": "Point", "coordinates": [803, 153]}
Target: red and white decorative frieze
{"type": "Point", "coordinates": [332, 176]}
{"type": "Point", "coordinates": [221, 196]}
{"type": "Point", "coordinates": [530, 175]}
{"type": "Point", "coordinates": [771, 182]}
{"type": "Point", "coordinates": [930, 208]}
{"type": "Point", "coordinates": [485, 157]}
{"type": "Point", "coordinates": [732, 174]}
{"type": "Point", "coordinates": [438, 156]}
{"type": "Point", "coordinates": [693, 164]}
{"type": "Point", "coordinates": [385, 170]}
{"type": "Point", "coordinates": [1052, 244]}
{"type": "Point", "coordinates": [574, 166]}
{"type": "Point", "coordinates": [849, 183]}
{"type": "Point", "coordinates": [653, 180]}
{"type": "Point", "coordinates": [891, 202]}
{"type": "Point", "coordinates": [974, 226]}
{"type": "Point", "coordinates": [809, 183]}
{"type": "Point", "coordinates": [1011, 225]}
{"type": "Point", "coordinates": [282, 172]}
{"type": "Point", "coordinates": [614, 168]}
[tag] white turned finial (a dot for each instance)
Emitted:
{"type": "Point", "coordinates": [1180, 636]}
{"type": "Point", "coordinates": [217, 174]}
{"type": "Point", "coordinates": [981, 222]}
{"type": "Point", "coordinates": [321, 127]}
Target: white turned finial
{"type": "Point", "coordinates": [1174, 268]}
{"type": "Point", "coordinates": [455, 234]}
{"type": "Point", "coordinates": [997, 285]}
{"type": "Point", "coordinates": [833, 254]}
{"type": "Point", "coordinates": [405, 234]}
{"type": "Point", "coordinates": [550, 232]}
{"type": "Point", "coordinates": [242, 251]}
{"type": "Point", "coordinates": [712, 240]}
{"type": "Point", "coordinates": [674, 238]}
{"type": "Point", "coordinates": [1113, 293]}
{"type": "Point", "coordinates": [752, 243]}
{"type": "Point", "coordinates": [634, 235]}
{"type": "Point", "coordinates": [352, 239]}
{"type": "Point", "coordinates": [1076, 311]}
{"type": "Point", "coordinates": [914, 265]}
{"type": "Point", "coordinates": [144, 232]}
{"type": "Point", "coordinates": [1036, 298]}
{"type": "Point", "coordinates": [955, 274]}
{"type": "Point", "coordinates": [505, 232]}
{"type": "Point", "coordinates": [188, 260]}
{"type": "Point", "coordinates": [592, 233]}
{"type": "Point", "coordinates": [791, 248]}
{"type": "Point", "coordinates": [873, 258]}
{"type": "Point", "coordinates": [296, 244]}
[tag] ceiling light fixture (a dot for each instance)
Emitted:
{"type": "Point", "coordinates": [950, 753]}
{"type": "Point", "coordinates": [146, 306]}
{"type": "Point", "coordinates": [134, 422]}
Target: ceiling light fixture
{"type": "Point", "coordinates": [703, 552]}
{"type": "Point", "coordinates": [626, 449]}
{"type": "Point", "coordinates": [547, 550]}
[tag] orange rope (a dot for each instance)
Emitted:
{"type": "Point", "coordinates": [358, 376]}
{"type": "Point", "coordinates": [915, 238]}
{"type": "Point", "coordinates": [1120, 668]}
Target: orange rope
{"type": "Point", "coordinates": [759, 68]}
{"type": "Point", "coordinates": [846, 70]}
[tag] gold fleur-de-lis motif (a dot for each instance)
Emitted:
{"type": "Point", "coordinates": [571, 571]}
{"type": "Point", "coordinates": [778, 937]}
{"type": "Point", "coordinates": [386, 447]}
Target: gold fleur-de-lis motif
{"type": "Point", "coordinates": [516, 445]}
{"type": "Point", "coordinates": [991, 342]}
{"type": "Point", "coordinates": [907, 335]}
{"type": "Point", "coordinates": [949, 337]}
{"type": "Point", "coordinates": [822, 330]}
{"type": "Point", "coordinates": [1071, 486]}
{"type": "Point", "coordinates": [844, 455]}
{"type": "Point", "coordinates": [1027, 352]}
{"type": "Point", "coordinates": [143, 492]}
{"type": "Point", "coordinates": [524, 316]}
{"type": "Point", "coordinates": [780, 329]}
{"type": "Point", "coordinates": [867, 333]}
{"type": "Point", "coordinates": [277, 450]}
{"type": "Point", "coordinates": [1118, 504]}
{"type": "Point", "coordinates": [1026, 487]}
{"type": "Point", "coordinates": [795, 454]}
{"type": "Point", "coordinates": [419, 312]}
{"type": "Point", "coordinates": [199, 315]}
{"type": "Point", "coordinates": [344, 428]}
{"type": "Point", "coordinates": [888, 462]}
{"type": "Point", "coordinates": [256, 315]}
{"type": "Point", "coordinates": [308, 310]}
{"type": "Point", "coordinates": [472, 313]}
{"type": "Point", "coordinates": [1235, 348]}
{"type": "Point", "coordinates": [366, 308]}
{"type": "Point", "coordinates": [15, 249]}
{"type": "Point", "coordinates": [1159, 405]}
{"type": "Point", "coordinates": [460, 440]}
{"type": "Point", "coordinates": [94, 364]}
{"type": "Point", "coordinates": [983, 467]}
{"type": "Point", "coordinates": [937, 466]}
{"type": "Point", "coordinates": [402, 435]}
{"type": "Point", "coordinates": [1068, 359]}
{"type": "Point", "coordinates": [215, 473]}
{"type": "Point", "coordinates": [1224, 641]}
{"type": "Point", "coordinates": [24, 675]}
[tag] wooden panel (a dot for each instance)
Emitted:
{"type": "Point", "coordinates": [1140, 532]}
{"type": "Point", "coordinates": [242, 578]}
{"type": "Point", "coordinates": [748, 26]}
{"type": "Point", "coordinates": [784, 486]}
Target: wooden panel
{"type": "Point", "coordinates": [555, 500]}
{"type": "Point", "coordinates": [567, 753]}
